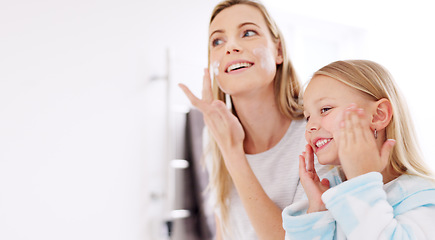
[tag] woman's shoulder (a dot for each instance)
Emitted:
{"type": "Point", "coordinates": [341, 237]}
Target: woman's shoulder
{"type": "Point", "coordinates": [298, 125]}
{"type": "Point", "coordinates": [296, 132]}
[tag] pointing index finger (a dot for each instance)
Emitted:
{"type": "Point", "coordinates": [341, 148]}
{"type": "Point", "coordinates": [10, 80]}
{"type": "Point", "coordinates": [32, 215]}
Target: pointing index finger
{"type": "Point", "coordinates": [207, 92]}
{"type": "Point", "coordinates": [192, 98]}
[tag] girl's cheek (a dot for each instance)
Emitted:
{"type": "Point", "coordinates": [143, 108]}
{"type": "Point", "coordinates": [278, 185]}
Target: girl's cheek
{"type": "Point", "coordinates": [332, 122]}
{"type": "Point", "coordinates": [338, 119]}
{"type": "Point", "coordinates": [307, 136]}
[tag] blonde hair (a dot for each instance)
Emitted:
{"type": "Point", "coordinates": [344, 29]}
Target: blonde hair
{"type": "Point", "coordinates": [374, 80]}
{"type": "Point", "coordinates": [287, 88]}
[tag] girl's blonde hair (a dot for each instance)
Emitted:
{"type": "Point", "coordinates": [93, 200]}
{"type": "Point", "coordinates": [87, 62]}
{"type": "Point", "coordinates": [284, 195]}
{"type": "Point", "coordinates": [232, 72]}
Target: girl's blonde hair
{"type": "Point", "coordinates": [287, 88]}
{"type": "Point", "coordinates": [374, 80]}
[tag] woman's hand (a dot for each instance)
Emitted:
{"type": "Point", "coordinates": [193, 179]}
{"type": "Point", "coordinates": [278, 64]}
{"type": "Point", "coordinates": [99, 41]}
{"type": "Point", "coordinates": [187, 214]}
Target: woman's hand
{"type": "Point", "coordinates": [314, 188]}
{"type": "Point", "coordinates": [357, 148]}
{"type": "Point", "coordinates": [224, 126]}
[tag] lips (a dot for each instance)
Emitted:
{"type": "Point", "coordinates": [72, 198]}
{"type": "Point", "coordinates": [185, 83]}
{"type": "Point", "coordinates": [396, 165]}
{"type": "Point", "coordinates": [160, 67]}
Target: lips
{"type": "Point", "coordinates": [238, 65]}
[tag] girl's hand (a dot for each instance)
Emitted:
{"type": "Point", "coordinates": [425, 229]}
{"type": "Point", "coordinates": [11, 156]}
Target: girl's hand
{"type": "Point", "coordinates": [314, 188]}
{"type": "Point", "coordinates": [224, 126]}
{"type": "Point", "coordinates": [357, 148]}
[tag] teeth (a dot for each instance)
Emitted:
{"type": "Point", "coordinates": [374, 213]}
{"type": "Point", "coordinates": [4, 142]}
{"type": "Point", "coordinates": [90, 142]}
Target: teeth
{"type": "Point", "coordinates": [322, 142]}
{"type": "Point", "coordinates": [238, 65]}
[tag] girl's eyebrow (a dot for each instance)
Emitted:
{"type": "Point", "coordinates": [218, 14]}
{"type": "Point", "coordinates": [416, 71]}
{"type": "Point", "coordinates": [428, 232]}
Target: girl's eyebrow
{"type": "Point", "coordinates": [324, 98]}
{"type": "Point", "coordinates": [240, 26]}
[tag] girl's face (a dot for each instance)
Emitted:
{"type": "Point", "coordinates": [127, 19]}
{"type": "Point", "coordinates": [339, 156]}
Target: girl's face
{"type": "Point", "coordinates": [325, 100]}
{"type": "Point", "coordinates": [243, 56]}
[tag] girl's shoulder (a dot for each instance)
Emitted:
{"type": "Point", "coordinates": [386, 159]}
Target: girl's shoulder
{"type": "Point", "coordinates": [409, 191]}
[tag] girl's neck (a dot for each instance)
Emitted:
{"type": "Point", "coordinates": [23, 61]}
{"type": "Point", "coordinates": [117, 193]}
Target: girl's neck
{"type": "Point", "coordinates": [389, 174]}
{"type": "Point", "coordinates": [262, 121]}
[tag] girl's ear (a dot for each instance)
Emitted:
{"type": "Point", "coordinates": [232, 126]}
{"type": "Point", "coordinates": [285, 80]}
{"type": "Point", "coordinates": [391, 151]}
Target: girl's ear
{"type": "Point", "coordinates": [279, 57]}
{"type": "Point", "coordinates": [383, 114]}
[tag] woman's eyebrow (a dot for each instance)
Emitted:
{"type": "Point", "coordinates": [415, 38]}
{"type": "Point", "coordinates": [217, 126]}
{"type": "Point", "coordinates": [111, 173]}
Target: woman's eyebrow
{"type": "Point", "coordinates": [216, 31]}
{"type": "Point", "coordinates": [247, 23]}
{"type": "Point", "coordinates": [240, 26]}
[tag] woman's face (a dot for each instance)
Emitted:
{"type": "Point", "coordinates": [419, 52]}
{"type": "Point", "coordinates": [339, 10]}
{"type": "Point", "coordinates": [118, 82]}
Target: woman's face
{"type": "Point", "coordinates": [325, 100]}
{"type": "Point", "coordinates": [243, 56]}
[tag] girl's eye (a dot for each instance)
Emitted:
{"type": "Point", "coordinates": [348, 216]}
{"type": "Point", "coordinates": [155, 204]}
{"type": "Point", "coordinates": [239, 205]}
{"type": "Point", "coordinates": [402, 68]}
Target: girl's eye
{"type": "Point", "coordinates": [249, 33]}
{"type": "Point", "coordinates": [325, 109]}
{"type": "Point", "coordinates": [216, 42]}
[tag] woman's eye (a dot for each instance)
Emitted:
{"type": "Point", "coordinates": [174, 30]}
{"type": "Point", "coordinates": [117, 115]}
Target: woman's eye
{"type": "Point", "coordinates": [216, 42]}
{"type": "Point", "coordinates": [249, 33]}
{"type": "Point", "coordinates": [325, 109]}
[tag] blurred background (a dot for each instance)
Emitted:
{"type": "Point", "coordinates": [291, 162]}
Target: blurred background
{"type": "Point", "coordinates": [95, 140]}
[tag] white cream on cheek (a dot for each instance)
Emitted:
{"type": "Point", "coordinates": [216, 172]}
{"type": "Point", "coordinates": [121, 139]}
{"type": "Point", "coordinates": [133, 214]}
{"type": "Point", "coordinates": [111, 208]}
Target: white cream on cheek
{"type": "Point", "coordinates": [214, 72]}
{"type": "Point", "coordinates": [215, 65]}
{"type": "Point", "coordinates": [267, 61]}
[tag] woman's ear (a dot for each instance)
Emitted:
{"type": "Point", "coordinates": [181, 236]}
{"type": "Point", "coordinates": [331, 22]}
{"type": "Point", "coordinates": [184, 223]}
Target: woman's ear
{"type": "Point", "coordinates": [279, 57]}
{"type": "Point", "coordinates": [383, 114]}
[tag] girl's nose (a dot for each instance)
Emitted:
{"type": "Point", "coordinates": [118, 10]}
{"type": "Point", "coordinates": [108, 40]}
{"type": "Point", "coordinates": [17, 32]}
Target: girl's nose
{"type": "Point", "coordinates": [312, 127]}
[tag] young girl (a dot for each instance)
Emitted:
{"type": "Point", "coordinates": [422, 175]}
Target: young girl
{"type": "Point", "coordinates": [254, 169]}
{"type": "Point", "coordinates": [358, 120]}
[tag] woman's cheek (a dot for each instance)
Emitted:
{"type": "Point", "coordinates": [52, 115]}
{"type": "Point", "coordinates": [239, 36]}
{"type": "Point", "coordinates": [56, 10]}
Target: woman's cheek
{"type": "Point", "coordinates": [266, 58]}
{"type": "Point", "coordinates": [215, 68]}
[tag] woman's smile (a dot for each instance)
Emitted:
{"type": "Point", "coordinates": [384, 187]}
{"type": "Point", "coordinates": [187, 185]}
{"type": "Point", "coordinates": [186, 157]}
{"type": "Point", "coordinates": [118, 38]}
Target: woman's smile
{"type": "Point", "coordinates": [238, 66]}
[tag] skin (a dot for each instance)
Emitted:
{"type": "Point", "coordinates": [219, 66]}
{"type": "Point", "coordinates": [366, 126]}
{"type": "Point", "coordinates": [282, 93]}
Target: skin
{"type": "Point", "coordinates": [346, 119]}
{"type": "Point", "coordinates": [240, 34]}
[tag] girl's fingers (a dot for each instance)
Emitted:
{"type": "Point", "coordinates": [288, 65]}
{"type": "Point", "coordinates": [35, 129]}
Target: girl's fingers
{"type": "Point", "coordinates": [302, 166]}
{"type": "Point", "coordinates": [361, 126]}
{"type": "Point", "coordinates": [354, 126]}
{"type": "Point", "coordinates": [349, 125]}
{"type": "Point", "coordinates": [310, 158]}
{"type": "Point", "coordinates": [325, 182]}
{"type": "Point", "coordinates": [386, 149]}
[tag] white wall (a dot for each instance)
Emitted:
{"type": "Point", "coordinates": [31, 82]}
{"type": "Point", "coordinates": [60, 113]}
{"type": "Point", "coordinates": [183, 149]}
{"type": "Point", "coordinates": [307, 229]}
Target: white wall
{"type": "Point", "coordinates": [72, 119]}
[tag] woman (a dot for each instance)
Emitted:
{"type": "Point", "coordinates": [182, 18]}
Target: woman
{"type": "Point", "coordinates": [255, 145]}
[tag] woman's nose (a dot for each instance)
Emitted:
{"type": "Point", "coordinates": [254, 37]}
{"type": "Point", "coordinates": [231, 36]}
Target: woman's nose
{"type": "Point", "coordinates": [233, 46]}
{"type": "Point", "coordinates": [229, 51]}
